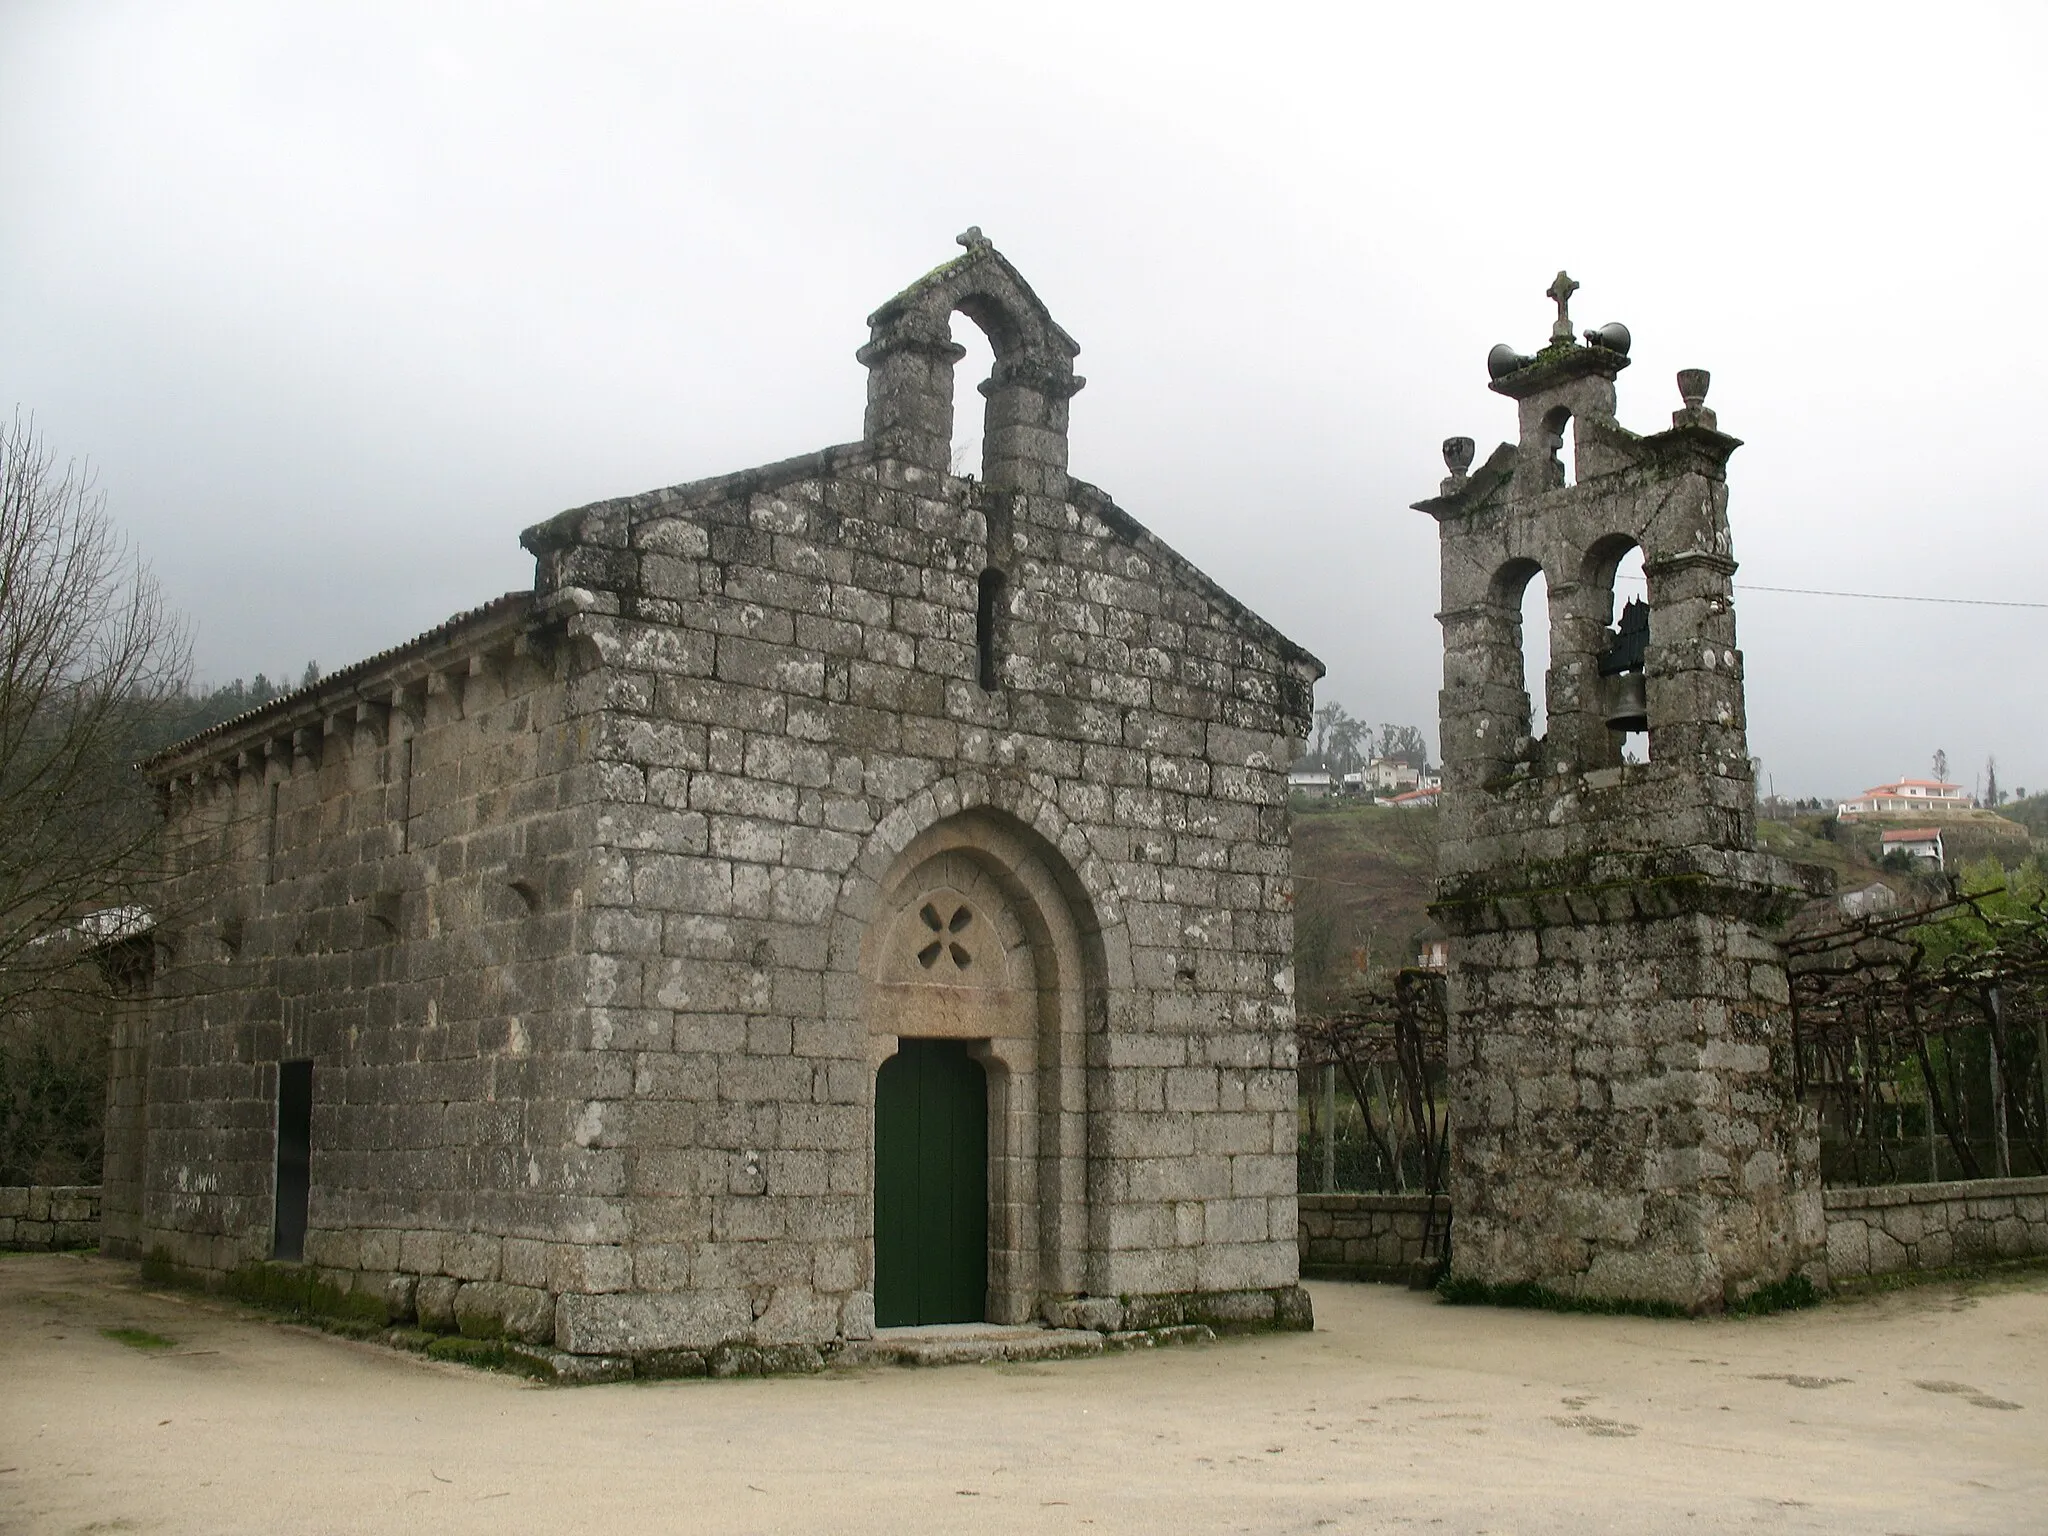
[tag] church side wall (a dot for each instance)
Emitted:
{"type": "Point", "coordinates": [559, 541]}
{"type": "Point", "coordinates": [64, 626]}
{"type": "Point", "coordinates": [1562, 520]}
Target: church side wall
{"type": "Point", "coordinates": [793, 682]}
{"type": "Point", "coordinates": [395, 894]}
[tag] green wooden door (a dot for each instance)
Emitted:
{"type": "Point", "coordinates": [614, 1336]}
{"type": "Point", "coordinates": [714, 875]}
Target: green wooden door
{"type": "Point", "coordinates": [931, 1186]}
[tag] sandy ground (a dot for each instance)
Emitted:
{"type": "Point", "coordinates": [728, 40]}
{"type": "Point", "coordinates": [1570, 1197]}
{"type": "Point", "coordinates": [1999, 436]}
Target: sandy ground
{"type": "Point", "coordinates": [1923, 1411]}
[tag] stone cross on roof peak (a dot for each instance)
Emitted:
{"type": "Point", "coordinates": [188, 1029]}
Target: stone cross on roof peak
{"type": "Point", "coordinates": [1561, 289]}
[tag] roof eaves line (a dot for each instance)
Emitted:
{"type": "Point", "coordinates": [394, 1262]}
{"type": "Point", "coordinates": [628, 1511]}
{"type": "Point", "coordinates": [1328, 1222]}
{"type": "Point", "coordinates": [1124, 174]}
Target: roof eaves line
{"type": "Point", "coordinates": [355, 683]}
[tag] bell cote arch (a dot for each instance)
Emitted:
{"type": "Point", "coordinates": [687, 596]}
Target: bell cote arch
{"type": "Point", "coordinates": [910, 356]}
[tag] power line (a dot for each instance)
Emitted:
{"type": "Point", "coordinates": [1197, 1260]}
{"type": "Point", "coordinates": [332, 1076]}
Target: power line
{"type": "Point", "coordinates": [1878, 597]}
{"type": "Point", "coordinates": [1892, 597]}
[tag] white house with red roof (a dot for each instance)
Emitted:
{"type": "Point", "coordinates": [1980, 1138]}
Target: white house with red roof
{"type": "Point", "coordinates": [1907, 797]}
{"type": "Point", "coordinates": [1918, 842]}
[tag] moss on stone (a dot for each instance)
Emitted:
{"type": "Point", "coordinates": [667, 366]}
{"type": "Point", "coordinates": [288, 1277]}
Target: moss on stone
{"type": "Point", "coordinates": [1463, 1291]}
{"type": "Point", "coordinates": [296, 1288]}
{"type": "Point", "coordinates": [138, 1338]}
{"type": "Point", "coordinates": [490, 1355]}
{"type": "Point", "coordinates": [1786, 1295]}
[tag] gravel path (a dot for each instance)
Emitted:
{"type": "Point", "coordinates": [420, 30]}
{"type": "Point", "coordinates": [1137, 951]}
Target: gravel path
{"type": "Point", "coordinates": [1924, 1411]}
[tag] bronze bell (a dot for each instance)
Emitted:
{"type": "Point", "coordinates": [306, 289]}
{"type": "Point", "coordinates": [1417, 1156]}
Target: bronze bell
{"type": "Point", "coordinates": [1627, 702]}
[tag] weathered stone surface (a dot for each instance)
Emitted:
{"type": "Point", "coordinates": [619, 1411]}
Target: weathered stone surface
{"type": "Point", "coordinates": [1620, 1047]}
{"type": "Point", "coordinates": [434, 1302]}
{"type": "Point", "coordinates": [490, 1308]}
{"type": "Point", "coordinates": [1900, 1227]}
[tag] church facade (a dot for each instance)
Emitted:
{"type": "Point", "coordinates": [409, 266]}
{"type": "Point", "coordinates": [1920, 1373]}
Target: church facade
{"type": "Point", "coordinates": [837, 894]}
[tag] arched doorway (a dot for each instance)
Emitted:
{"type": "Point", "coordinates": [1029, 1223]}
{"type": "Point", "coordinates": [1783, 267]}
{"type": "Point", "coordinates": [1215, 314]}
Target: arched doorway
{"type": "Point", "coordinates": [977, 978]}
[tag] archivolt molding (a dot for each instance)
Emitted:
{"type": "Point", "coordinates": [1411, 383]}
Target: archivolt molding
{"type": "Point", "coordinates": [1014, 823]}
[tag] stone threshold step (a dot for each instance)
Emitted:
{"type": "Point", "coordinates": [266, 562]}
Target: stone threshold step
{"type": "Point", "coordinates": [985, 1343]}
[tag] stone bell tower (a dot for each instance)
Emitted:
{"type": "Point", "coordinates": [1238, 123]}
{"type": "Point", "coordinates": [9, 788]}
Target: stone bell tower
{"type": "Point", "coordinates": [1620, 1053]}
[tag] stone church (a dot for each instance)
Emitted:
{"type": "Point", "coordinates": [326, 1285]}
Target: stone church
{"type": "Point", "coordinates": [838, 894]}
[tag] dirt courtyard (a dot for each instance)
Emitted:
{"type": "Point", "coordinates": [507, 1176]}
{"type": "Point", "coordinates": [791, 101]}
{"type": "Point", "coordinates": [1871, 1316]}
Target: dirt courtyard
{"type": "Point", "coordinates": [1922, 1411]}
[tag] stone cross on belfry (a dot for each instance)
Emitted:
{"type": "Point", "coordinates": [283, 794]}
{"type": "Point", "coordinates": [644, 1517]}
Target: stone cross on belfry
{"type": "Point", "coordinates": [1561, 289]}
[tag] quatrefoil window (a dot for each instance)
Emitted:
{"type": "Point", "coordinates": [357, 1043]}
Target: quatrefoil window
{"type": "Point", "coordinates": [947, 945]}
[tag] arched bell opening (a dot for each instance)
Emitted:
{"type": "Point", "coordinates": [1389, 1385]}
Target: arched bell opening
{"type": "Point", "coordinates": [972, 370]}
{"type": "Point", "coordinates": [1522, 599]}
{"type": "Point", "coordinates": [914, 352]}
{"type": "Point", "coordinates": [1617, 602]}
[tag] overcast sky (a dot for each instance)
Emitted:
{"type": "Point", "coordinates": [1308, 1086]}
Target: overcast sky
{"type": "Point", "coordinates": [340, 298]}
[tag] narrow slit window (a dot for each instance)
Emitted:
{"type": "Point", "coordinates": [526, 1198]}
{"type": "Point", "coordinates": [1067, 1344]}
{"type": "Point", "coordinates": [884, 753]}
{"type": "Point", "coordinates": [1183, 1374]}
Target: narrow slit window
{"type": "Point", "coordinates": [294, 1157]}
{"type": "Point", "coordinates": [987, 617]}
{"type": "Point", "coordinates": [405, 760]}
{"type": "Point", "coordinates": [270, 839]}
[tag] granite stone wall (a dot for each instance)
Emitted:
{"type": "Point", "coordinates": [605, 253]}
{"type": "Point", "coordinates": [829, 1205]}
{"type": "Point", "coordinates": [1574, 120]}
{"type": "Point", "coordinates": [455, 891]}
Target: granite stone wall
{"type": "Point", "coordinates": [793, 670]}
{"type": "Point", "coordinates": [383, 876]}
{"type": "Point", "coordinates": [1887, 1229]}
{"type": "Point", "coordinates": [46, 1216]}
{"type": "Point", "coordinates": [1880, 1230]}
{"type": "Point", "coordinates": [1365, 1236]}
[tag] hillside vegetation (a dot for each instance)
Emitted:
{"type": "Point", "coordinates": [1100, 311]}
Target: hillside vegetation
{"type": "Point", "coordinates": [1364, 875]}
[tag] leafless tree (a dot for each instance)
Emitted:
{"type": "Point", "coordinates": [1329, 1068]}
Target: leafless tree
{"type": "Point", "coordinates": [89, 658]}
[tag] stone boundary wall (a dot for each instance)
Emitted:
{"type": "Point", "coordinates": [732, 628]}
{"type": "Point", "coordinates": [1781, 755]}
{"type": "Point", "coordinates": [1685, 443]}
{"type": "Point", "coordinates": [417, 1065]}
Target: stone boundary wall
{"type": "Point", "coordinates": [1880, 1230]}
{"type": "Point", "coordinates": [1887, 1228]}
{"type": "Point", "coordinates": [1363, 1237]}
{"type": "Point", "coordinates": [46, 1216]}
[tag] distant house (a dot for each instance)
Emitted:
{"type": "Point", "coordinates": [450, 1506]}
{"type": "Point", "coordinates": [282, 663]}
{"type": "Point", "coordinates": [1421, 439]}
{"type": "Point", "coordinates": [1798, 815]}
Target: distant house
{"type": "Point", "coordinates": [1915, 842]}
{"type": "Point", "coordinates": [1907, 797]}
{"type": "Point", "coordinates": [1863, 901]}
{"type": "Point", "coordinates": [1418, 797]}
{"type": "Point", "coordinates": [1391, 776]}
{"type": "Point", "coordinates": [1314, 783]}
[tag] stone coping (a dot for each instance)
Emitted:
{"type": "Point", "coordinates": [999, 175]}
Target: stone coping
{"type": "Point", "coordinates": [1833, 1198]}
{"type": "Point", "coordinates": [1866, 1196]}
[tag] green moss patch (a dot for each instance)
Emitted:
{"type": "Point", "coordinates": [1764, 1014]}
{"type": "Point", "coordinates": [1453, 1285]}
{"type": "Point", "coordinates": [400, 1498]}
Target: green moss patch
{"type": "Point", "coordinates": [295, 1288]}
{"type": "Point", "coordinates": [138, 1338]}
{"type": "Point", "coordinates": [1786, 1295]}
{"type": "Point", "coordinates": [1858, 1287]}
{"type": "Point", "coordinates": [489, 1355]}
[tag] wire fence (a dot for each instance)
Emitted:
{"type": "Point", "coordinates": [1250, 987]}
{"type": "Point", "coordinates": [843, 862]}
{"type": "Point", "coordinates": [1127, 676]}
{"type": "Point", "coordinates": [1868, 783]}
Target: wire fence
{"type": "Point", "coordinates": [1920, 1038]}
